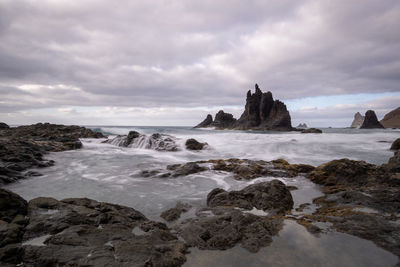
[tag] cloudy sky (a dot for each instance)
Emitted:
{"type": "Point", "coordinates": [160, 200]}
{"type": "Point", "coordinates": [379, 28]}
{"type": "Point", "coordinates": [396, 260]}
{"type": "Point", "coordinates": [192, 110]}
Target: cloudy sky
{"type": "Point", "coordinates": [171, 62]}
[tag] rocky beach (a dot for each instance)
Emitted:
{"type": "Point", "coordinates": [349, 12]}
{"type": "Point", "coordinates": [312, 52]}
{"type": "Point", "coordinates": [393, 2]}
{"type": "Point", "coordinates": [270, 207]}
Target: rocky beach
{"type": "Point", "coordinates": [351, 197]}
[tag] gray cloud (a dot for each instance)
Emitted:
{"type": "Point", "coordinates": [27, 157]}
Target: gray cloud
{"type": "Point", "coordinates": [191, 54]}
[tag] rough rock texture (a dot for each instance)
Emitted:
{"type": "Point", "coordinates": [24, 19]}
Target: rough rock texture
{"type": "Point", "coordinates": [261, 112]}
{"type": "Point", "coordinates": [84, 232]}
{"type": "Point", "coordinates": [193, 144]}
{"type": "Point", "coordinates": [23, 147]}
{"type": "Point", "coordinates": [311, 130]}
{"type": "Point", "coordinates": [207, 121]}
{"type": "Point", "coordinates": [156, 141]}
{"type": "Point", "coordinates": [302, 125]}
{"type": "Point", "coordinates": [223, 120]}
{"type": "Point", "coordinates": [395, 144]}
{"type": "Point", "coordinates": [271, 196]}
{"type": "Point", "coordinates": [371, 121]}
{"type": "Point", "coordinates": [4, 125]}
{"type": "Point", "coordinates": [242, 169]}
{"type": "Point", "coordinates": [392, 119]}
{"type": "Point", "coordinates": [175, 213]}
{"type": "Point", "coordinates": [358, 120]}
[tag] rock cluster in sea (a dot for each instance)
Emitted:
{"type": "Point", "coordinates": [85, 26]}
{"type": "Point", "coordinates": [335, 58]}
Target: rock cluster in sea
{"type": "Point", "coordinates": [23, 147]}
{"type": "Point", "coordinates": [261, 112]}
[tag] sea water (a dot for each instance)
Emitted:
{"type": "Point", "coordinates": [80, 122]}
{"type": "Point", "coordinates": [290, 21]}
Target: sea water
{"type": "Point", "coordinates": [110, 173]}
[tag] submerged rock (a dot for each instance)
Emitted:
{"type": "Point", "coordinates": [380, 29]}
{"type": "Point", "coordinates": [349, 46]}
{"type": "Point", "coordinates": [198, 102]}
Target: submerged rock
{"type": "Point", "coordinates": [311, 130]}
{"type": "Point", "coordinates": [358, 120]}
{"type": "Point", "coordinates": [156, 141]}
{"type": "Point", "coordinates": [206, 123]}
{"type": "Point", "coordinates": [193, 144]}
{"type": "Point", "coordinates": [371, 121]}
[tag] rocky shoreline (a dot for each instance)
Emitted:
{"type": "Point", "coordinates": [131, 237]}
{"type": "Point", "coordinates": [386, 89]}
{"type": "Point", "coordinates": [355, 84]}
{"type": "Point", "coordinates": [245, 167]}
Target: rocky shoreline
{"type": "Point", "coordinates": [359, 199]}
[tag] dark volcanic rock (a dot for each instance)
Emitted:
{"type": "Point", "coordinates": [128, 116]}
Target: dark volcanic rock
{"type": "Point", "coordinates": [207, 121]}
{"type": "Point", "coordinates": [175, 213]}
{"type": "Point", "coordinates": [263, 112]}
{"type": "Point", "coordinates": [395, 144]}
{"type": "Point", "coordinates": [392, 119]}
{"type": "Point", "coordinates": [311, 130]}
{"type": "Point", "coordinates": [23, 147]}
{"type": "Point", "coordinates": [84, 232]}
{"type": "Point", "coordinates": [223, 120]}
{"type": "Point", "coordinates": [156, 141]}
{"type": "Point", "coordinates": [271, 196]}
{"type": "Point", "coordinates": [371, 121]}
{"type": "Point", "coordinates": [3, 126]}
{"type": "Point", "coordinates": [193, 144]}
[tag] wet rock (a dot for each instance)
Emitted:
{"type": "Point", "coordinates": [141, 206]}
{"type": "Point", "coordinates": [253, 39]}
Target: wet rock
{"type": "Point", "coordinates": [358, 120]}
{"type": "Point", "coordinates": [207, 121]}
{"type": "Point", "coordinates": [156, 141]}
{"type": "Point", "coordinates": [395, 144]}
{"type": "Point", "coordinates": [272, 196]}
{"type": "Point", "coordinates": [175, 213]}
{"type": "Point", "coordinates": [311, 130]}
{"type": "Point", "coordinates": [394, 163]}
{"type": "Point", "coordinates": [371, 121]}
{"type": "Point", "coordinates": [186, 169]}
{"type": "Point", "coordinates": [228, 227]}
{"type": "Point", "coordinates": [3, 126]}
{"type": "Point", "coordinates": [131, 136]}
{"type": "Point", "coordinates": [193, 144]}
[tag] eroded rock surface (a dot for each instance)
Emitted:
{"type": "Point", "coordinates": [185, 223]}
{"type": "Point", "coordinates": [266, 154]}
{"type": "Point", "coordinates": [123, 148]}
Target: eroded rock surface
{"type": "Point", "coordinates": [206, 123]}
{"type": "Point", "coordinates": [193, 144]}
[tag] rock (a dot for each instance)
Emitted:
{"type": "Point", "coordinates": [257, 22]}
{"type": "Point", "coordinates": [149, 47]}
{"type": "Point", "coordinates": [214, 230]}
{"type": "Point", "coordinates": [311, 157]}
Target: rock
{"type": "Point", "coordinates": [392, 119]}
{"type": "Point", "coordinates": [193, 144]}
{"type": "Point", "coordinates": [131, 136]}
{"type": "Point", "coordinates": [156, 141]}
{"type": "Point", "coordinates": [395, 144]}
{"type": "Point", "coordinates": [302, 125]}
{"type": "Point", "coordinates": [268, 196]}
{"type": "Point", "coordinates": [223, 120]}
{"type": "Point", "coordinates": [185, 169]}
{"type": "Point", "coordinates": [394, 162]}
{"type": "Point", "coordinates": [358, 120]}
{"type": "Point", "coordinates": [371, 121]}
{"type": "Point", "coordinates": [207, 121]}
{"type": "Point", "coordinates": [311, 130]}
{"type": "Point", "coordinates": [261, 112]}
{"type": "Point", "coordinates": [175, 213]}
{"type": "Point", "coordinates": [3, 126]}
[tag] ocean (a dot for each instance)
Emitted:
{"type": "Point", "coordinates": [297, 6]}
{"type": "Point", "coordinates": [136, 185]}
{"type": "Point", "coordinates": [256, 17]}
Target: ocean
{"type": "Point", "coordinates": [110, 173]}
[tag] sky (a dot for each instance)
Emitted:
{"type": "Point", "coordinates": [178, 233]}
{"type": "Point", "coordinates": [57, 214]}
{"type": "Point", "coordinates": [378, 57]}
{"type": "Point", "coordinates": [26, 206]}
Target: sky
{"type": "Point", "coordinates": [171, 63]}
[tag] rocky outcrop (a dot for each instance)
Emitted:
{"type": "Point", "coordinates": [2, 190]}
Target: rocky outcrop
{"type": "Point", "coordinates": [156, 141]}
{"type": "Point", "coordinates": [175, 213]}
{"type": "Point", "coordinates": [4, 126]}
{"type": "Point", "coordinates": [311, 130]}
{"type": "Point", "coordinates": [24, 147]}
{"type": "Point", "coordinates": [267, 196]}
{"type": "Point", "coordinates": [206, 123]}
{"type": "Point", "coordinates": [261, 112]}
{"type": "Point", "coordinates": [84, 232]}
{"type": "Point", "coordinates": [358, 120]}
{"type": "Point", "coordinates": [395, 144]}
{"type": "Point", "coordinates": [392, 119]}
{"type": "Point", "coordinates": [193, 144]}
{"type": "Point", "coordinates": [302, 125]}
{"type": "Point", "coordinates": [371, 121]}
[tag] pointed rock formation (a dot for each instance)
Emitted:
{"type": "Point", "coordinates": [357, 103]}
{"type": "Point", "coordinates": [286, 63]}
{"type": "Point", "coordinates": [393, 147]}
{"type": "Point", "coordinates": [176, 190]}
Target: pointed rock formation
{"type": "Point", "coordinates": [302, 125]}
{"type": "Point", "coordinates": [371, 121]}
{"type": "Point", "coordinates": [358, 120]}
{"type": "Point", "coordinates": [207, 121]}
{"type": "Point", "coordinates": [223, 120]}
{"type": "Point", "coordinates": [392, 119]}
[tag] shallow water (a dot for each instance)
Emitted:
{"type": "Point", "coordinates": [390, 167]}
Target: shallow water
{"type": "Point", "coordinates": [112, 174]}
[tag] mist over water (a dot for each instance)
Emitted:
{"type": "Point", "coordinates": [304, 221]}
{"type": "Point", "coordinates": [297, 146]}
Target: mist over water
{"type": "Point", "coordinates": [110, 173]}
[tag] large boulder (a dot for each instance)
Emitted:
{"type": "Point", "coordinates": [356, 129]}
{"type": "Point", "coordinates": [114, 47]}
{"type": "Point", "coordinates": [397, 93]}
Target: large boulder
{"type": "Point", "coordinates": [207, 121]}
{"type": "Point", "coordinates": [268, 196]}
{"type": "Point", "coordinates": [371, 121]}
{"type": "Point", "coordinates": [193, 144]}
{"type": "Point", "coordinates": [3, 126]}
{"type": "Point", "coordinates": [395, 144]}
{"type": "Point", "coordinates": [392, 119]}
{"type": "Point", "coordinates": [358, 120]}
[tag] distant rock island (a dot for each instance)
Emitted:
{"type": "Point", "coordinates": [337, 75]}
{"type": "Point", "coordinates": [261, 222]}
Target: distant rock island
{"type": "Point", "coordinates": [302, 125]}
{"type": "Point", "coordinates": [358, 120]}
{"type": "Point", "coordinates": [371, 121]}
{"type": "Point", "coordinates": [392, 119]}
{"type": "Point", "coordinates": [261, 112]}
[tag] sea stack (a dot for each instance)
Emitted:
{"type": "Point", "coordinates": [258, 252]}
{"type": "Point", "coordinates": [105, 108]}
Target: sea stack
{"type": "Point", "coordinates": [371, 121]}
{"type": "Point", "coordinates": [392, 119]}
{"type": "Point", "coordinates": [261, 112]}
{"type": "Point", "coordinates": [358, 120]}
{"type": "Point", "coordinates": [206, 123]}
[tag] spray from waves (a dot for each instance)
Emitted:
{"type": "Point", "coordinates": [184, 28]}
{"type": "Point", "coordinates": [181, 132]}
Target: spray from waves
{"type": "Point", "coordinates": [159, 142]}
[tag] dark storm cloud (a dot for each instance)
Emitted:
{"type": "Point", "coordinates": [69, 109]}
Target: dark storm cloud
{"type": "Point", "coordinates": [193, 53]}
